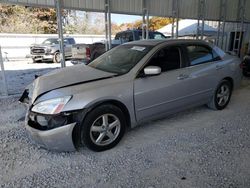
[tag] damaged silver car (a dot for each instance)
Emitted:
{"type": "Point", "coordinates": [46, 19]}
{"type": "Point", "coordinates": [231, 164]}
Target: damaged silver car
{"type": "Point", "coordinates": [93, 105]}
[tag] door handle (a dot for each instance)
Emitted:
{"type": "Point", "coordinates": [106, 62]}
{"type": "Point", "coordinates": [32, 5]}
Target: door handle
{"type": "Point", "coordinates": [182, 77]}
{"type": "Point", "coordinates": [218, 67]}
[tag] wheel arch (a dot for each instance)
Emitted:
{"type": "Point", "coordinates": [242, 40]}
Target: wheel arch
{"type": "Point", "coordinates": [117, 103]}
{"type": "Point", "coordinates": [230, 80]}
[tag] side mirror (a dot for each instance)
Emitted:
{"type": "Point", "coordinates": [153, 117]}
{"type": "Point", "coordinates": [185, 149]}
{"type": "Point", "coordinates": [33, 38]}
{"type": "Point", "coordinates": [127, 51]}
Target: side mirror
{"type": "Point", "coordinates": [152, 70]}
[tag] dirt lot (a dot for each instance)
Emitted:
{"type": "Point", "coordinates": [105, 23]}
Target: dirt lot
{"type": "Point", "coordinates": [196, 148]}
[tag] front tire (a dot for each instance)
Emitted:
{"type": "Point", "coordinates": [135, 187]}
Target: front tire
{"type": "Point", "coordinates": [103, 127]}
{"type": "Point", "coordinates": [56, 57]}
{"type": "Point", "coordinates": [221, 96]}
{"type": "Point", "coordinates": [35, 61]}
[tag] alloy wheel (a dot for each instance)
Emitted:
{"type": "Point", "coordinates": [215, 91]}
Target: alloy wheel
{"type": "Point", "coordinates": [223, 95]}
{"type": "Point", "coordinates": [105, 129]}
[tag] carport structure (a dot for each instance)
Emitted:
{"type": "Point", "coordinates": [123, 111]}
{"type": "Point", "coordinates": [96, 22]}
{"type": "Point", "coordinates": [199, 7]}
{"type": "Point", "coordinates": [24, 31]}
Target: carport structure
{"type": "Point", "coordinates": [213, 10]}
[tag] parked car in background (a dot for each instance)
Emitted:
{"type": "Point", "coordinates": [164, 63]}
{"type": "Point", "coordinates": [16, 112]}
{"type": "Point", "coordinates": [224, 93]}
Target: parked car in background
{"type": "Point", "coordinates": [246, 65]}
{"type": "Point", "coordinates": [94, 104]}
{"type": "Point", "coordinates": [49, 50]}
{"type": "Point", "coordinates": [88, 52]}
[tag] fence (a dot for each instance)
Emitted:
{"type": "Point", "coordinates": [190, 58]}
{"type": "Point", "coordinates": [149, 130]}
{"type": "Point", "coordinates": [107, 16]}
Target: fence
{"type": "Point", "coordinates": [3, 84]}
{"type": "Point", "coordinates": [18, 45]}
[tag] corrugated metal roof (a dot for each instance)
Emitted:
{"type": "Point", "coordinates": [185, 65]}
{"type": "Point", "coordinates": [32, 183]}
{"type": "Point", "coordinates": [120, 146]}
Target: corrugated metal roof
{"type": "Point", "coordinates": [121, 6]}
{"type": "Point", "coordinates": [43, 3]}
{"type": "Point", "coordinates": [91, 5]}
{"type": "Point", "coordinates": [159, 7]}
{"type": "Point", "coordinates": [232, 10]}
{"type": "Point", "coordinates": [187, 8]}
{"type": "Point", "coordinates": [247, 12]}
{"type": "Point", "coordinates": [212, 9]}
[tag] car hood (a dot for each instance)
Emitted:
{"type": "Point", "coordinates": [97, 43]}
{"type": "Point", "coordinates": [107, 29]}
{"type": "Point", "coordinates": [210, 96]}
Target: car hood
{"type": "Point", "coordinates": [43, 45]}
{"type": "Point", "coordinates": [65, 77]}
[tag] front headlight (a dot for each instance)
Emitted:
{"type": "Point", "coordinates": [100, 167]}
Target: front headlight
{"type": "Point", "coordinates": [52, 106]}
{"type": "Point", "coordinates": [48, 50]}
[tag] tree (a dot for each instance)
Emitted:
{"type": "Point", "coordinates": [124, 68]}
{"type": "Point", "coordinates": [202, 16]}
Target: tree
{"type": "Point", "coordinates": [155, 23]}
{"type": "Point", "coordinates": [47, 19]}
{"type": "Point", "coordinates": [20, 19]}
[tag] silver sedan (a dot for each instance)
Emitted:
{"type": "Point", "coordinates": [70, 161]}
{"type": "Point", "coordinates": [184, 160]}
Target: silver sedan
{"type": "Point", "coordinates": [94, 104]}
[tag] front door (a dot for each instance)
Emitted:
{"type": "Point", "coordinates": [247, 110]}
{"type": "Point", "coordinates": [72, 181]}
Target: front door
{"type": "Point", "coordinates": [164, 93]}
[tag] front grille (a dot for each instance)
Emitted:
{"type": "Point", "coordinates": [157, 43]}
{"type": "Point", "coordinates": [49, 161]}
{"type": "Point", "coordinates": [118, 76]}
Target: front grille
{"type": "Point", "coordinates": [37, 51]}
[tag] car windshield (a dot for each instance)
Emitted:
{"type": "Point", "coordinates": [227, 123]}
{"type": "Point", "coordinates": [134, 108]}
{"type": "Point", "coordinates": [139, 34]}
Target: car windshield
{"type": "Point", "coordinates": [51, 41]}
{"type": "Point", "coordinates": [121, 59]}
{"type": "Point", "coordinates": [158, 36]}
{"type": "Point", "coordinates": [152, 35]}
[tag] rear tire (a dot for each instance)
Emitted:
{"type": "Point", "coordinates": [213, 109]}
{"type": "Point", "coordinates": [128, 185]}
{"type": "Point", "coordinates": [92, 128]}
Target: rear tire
{"type": "Point", "coordinates": [245, 73]}
{"type": "Point", "coordinates": [103, 128]}
{"type": "Point", "coordinates": [221, 96]}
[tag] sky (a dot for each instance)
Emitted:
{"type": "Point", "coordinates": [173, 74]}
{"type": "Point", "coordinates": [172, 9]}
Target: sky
{"type": "Point", "coordinates": [120, 18]}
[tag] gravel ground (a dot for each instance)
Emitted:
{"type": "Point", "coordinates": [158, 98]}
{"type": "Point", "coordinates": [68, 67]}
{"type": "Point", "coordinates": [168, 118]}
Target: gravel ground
{"type": "Point", "coordinates": [195, 148]}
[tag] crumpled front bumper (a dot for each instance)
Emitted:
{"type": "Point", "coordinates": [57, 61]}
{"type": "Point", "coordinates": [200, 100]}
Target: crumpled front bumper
{"type": "Point", "coordinates": [58, 139]}
{"type": "Point", "coordinates": [58, 133]}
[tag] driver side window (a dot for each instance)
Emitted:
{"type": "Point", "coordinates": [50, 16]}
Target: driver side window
{"type": "Point", "coordinates": [168, 58]}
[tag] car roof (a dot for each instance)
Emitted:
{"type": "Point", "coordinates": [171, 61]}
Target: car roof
{"type": "Point", "coordinates": [155, 42]}
{"type": "Point", "coordinates": [58, 38]}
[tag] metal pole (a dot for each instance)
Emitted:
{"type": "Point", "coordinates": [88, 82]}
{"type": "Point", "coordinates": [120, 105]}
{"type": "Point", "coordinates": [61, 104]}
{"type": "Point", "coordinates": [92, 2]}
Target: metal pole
{"type": "Point", "coordinates": [242, 18]}
{"type": "Point", "coordinates": [5, 89]}
{"type": "Point", "coordinates": [147, 23]}
{"type": "Point", "coordinates": [219, 23]}
{"type": "Point", "coordinates": [223, 34]}
{"type": "Point", "coordinates": [177, 18]}
{"type": "Point", "coordinates": [177, 28]}
{"type": "Point", "coordinates": [198, 29]}
{"type": "Point", "coordinates": [106, 26]}
{"type": "Point", "coordinates": [109, 26]}
{"type": "Point", "coordinates": [202, 28]}
{"type": "Point", "coordinates": [60, 31]}
{"type": "Point", "coordinates": [172, 32]}
{"type": "Point", "coordinates": [218, 34]}
{"type": "Point", "coordinates": [143, 24]}
{"type": "Point", "coordinates": [223, 18]}
{"type": "Point", "coordinates": [203, 18]}
{"type": "Point", "coordinates": [174, 17]}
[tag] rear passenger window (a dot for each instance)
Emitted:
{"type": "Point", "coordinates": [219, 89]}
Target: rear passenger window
{"type": "Point", "coordinates": [199, 54]}
{"type": "Point", "coordinates": [218, 52]}
{"type": "Point", "coordinates": [168, 58]}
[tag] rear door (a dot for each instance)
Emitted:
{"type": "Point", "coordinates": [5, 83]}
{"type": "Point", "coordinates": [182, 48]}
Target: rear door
{"type": "Point", "coordinates": [202, 71]}
{"type": "Point", "coordinates": [67, 48]}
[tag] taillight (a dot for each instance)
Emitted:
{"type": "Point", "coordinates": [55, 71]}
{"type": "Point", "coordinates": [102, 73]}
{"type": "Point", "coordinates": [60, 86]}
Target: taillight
{"type": "Point", "coordinates": [242, 65]}
{"type": "Point", "coordinates": [88, 53]}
